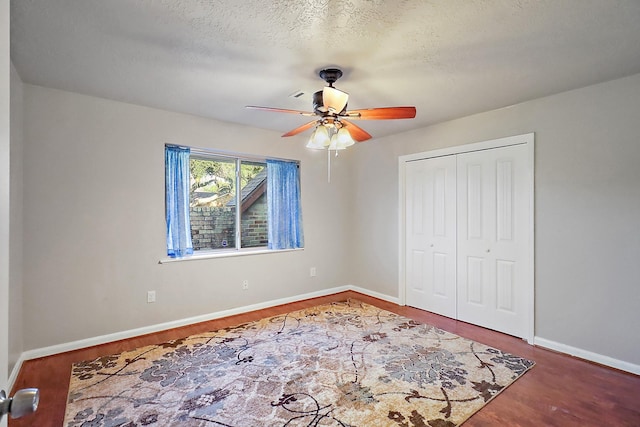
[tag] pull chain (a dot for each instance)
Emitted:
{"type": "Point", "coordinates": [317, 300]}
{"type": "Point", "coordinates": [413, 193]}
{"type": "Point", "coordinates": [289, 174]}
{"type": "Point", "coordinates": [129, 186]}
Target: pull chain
{"type": "Point", "coordinates": [329, 166]}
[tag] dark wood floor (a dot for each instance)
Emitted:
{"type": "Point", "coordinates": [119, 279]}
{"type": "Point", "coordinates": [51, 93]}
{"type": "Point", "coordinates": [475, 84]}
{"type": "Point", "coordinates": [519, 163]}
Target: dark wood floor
{"type": "Point", "coordinates": [559, 391]}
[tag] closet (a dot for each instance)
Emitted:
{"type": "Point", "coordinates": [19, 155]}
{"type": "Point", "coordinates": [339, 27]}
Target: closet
{"type": "Point", "coordinates": [468, 233]}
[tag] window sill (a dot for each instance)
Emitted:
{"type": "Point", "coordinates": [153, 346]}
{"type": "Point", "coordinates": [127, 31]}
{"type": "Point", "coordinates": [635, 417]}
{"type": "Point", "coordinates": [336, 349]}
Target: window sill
{"type": "Point", "coordinates": [225, 254]}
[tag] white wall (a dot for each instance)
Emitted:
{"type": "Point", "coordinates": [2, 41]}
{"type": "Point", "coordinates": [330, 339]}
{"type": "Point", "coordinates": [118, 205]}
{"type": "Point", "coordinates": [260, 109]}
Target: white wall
{"type": "Point", "coordinates": [16, 332]}
{"type": "Point", "coordinates": [586, 218]}
{"type": "Point", "coordinates": [94, 227]}
{"type": "Point", "coordinates": [4, 193]}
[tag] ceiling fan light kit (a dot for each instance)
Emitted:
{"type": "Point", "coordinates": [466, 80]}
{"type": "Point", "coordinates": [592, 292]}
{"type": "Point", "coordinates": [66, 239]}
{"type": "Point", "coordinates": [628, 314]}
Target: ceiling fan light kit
{"type": "Point", "coordinates": [330, 134]}
{"type": "Point", "coordinates": [332, 129]}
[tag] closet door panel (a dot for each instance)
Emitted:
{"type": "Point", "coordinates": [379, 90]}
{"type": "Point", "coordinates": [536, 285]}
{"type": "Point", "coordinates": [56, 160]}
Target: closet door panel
{"type": "Point", "coordinates": [431, 235]}
{"type": "Point", "coordinates": [493, 221]}
{"type": "Point", "coordinates": [474, 281]}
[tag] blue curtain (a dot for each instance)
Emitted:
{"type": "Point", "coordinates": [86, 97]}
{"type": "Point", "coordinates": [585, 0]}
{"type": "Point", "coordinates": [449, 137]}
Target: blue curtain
{"type": "Point", "coordinates": [176, 167]}
{"type": "Point", "coordinates": [284, 205]}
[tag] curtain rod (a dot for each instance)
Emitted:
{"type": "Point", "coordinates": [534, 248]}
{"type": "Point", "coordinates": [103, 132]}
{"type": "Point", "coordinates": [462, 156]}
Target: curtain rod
{"type": "Point", "coordinates": [230, 154]}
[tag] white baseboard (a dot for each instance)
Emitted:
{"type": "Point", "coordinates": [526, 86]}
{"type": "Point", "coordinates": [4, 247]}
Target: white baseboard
{"type": "Point", "coordinates": [13, 375]}
{"type": "Point", "coordinates": [103, 339]}
{"type": "Point", "coordinates": [588, 355]}
{"type": "Point", "coordinates": [374, 294]}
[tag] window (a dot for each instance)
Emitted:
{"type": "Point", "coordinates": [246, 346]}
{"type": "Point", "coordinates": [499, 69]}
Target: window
{"type": "Point", "coordinates": [220, 201]}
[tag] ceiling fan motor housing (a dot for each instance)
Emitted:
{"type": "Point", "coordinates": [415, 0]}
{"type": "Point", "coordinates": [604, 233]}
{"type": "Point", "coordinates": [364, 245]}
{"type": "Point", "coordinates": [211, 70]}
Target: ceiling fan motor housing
{"type": "Point", "coordinates": [330, 75]}
{"type": "Point", "coordinates": [318, 105]}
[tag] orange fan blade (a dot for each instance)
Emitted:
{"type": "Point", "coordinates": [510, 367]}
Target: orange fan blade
{"type": "Point", "coordinates": [357, 133]}
{"type": "Point", "coordinates": [281, 110]}
{"type": "Point", "coordinates": [301, 129]}
{"type": "Point", "coordinates": [385, 113]}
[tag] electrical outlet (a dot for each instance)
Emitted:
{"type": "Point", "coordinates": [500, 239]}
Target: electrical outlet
{"type": "Point", "coordinates": [312, 272]}
{"type": "Point", "coordinates": [245, 284]}
{"type": "Point", "coordinates": [151, 296]}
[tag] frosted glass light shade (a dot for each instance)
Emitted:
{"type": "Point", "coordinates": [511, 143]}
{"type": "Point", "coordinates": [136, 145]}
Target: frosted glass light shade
{"type": "Point", "coordinates": [319, 138]}
{"type": "Point", "coordinates": [341, 140]}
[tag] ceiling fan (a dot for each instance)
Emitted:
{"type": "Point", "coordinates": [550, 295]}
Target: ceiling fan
{"type": "Point", "coordinates": [334, 129]}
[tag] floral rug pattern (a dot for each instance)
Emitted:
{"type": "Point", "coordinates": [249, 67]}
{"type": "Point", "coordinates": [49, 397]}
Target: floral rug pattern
{"type": "Point", "coordinates": [343, 364]}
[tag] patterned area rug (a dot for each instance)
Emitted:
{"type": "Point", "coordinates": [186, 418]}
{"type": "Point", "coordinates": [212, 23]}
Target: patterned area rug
{"type": "Point", "coordinates": [339, 364]}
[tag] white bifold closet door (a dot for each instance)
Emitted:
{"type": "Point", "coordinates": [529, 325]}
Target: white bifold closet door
{"type": "Point", "coordinates": [493, 246]}
{"type": "Point", "coordinates": [431, 235]}
{"type": "Point", "coordinates": [467, 237]}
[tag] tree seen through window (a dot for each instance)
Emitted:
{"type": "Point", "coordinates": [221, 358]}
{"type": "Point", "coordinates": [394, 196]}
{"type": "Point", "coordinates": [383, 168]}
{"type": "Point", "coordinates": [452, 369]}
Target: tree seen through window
{"type": "Point", "coordinates": [213, 199]}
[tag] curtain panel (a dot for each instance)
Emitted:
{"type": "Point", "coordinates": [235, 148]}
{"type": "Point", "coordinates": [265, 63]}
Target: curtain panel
{"type": "Point", "coordinates": [284, 205]}
{"type": "Point", "coordinates": [177, 201]}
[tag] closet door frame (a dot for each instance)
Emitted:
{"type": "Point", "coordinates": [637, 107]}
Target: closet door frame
{"type": "Point", "coordinates": [529, 141]}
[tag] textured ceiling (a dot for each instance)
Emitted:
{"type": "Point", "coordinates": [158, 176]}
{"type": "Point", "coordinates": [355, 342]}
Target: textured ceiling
{"type": "Point", "coordinates": [449, 58]}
